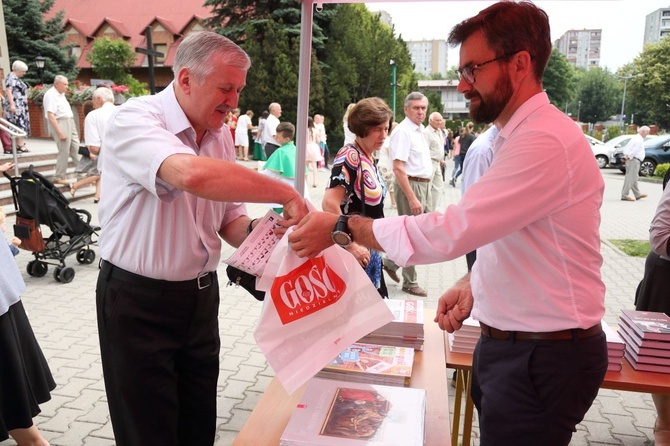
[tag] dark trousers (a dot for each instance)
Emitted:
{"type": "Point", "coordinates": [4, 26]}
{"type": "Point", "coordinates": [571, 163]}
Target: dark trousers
{"type": "Point", "coordinates": [270, 148]}
{"type": "Point", "coordinates": [160, 360]}
{"type": "Point", "coordinates": [531, 393]}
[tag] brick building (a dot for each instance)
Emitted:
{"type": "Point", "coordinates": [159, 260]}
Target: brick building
{"type": "Point", "coordinates": [170, 21]}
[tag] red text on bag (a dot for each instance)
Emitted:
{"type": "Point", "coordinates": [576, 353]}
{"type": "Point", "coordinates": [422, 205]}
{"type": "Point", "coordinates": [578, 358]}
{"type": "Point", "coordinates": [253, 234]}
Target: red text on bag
{"type": "Point", "coordinates": [306, 289]}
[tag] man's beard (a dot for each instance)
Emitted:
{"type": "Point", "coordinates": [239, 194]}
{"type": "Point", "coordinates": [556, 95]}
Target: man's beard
{"type": "Point", "coordinates": [489, 108]}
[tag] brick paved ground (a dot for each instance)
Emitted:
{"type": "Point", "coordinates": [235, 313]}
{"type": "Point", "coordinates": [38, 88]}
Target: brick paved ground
{"type": "Point", "coordinates": [63, 318]}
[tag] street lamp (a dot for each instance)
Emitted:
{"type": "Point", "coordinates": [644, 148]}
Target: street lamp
{"type": "Point", "coordinates": [579, 108]}
{"type": "Point", "coordinates": [394, 84]}
{"type": "Point", "coordinates": [40, 61]}
{"type": "Point", "coordinates": [623, 99]}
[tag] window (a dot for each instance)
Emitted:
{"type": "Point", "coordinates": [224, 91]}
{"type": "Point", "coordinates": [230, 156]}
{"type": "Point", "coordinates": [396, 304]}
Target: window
{"type": "Point", "coordinates": [161, 48]}
{"type": "Point", "coordinates": [75, 52]}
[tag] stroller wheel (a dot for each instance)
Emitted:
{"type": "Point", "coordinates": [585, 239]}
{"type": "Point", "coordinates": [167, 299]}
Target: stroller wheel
{"type": "Point", "coordinates": [86, 256]}
{"type": "Point", "coordinates": [37, 269]}
{"type": "Point", "coordinates": [64, 275]}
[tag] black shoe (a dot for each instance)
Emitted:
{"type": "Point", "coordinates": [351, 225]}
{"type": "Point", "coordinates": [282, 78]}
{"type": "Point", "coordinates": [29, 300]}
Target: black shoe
{"type": "Point", "coordinates": [8, 152]}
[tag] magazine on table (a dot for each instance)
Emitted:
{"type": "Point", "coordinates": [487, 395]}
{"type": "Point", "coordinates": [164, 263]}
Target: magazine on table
{"type": "Point", "coordinates": [339, 413]}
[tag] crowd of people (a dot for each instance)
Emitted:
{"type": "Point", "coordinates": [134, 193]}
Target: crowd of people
{"type": "Point", "coordinates": [535, 286]}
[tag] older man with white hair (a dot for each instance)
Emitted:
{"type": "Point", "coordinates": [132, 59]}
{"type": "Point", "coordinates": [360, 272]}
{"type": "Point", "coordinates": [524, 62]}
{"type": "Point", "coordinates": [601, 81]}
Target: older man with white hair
{"type": "Point", "coordinates": [61, 126]}
{"type": "Point", "coordinates": [634, 154]}
{"type": "Point", "coordinates": [95, 125]}
{"type": "Point", "coordinates": [435, 139]}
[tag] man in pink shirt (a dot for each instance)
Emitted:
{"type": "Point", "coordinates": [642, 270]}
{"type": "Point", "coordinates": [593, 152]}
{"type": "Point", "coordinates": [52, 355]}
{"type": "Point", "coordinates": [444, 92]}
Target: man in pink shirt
{"type": "Point", "coordinates": [536, 287]}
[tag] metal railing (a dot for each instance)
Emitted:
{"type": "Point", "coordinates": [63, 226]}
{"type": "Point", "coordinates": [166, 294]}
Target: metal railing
{"type": "Point", "coordinates": [14, 132]}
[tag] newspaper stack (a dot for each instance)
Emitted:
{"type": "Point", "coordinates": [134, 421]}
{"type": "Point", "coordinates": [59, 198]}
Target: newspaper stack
{"type": "Point", "coordinates": [615, 348]}
{"type": "Point", "coordinates": [338, 413]}
{"type": "Point", "coordinates": [406, 329]}
{"type": "Point", "coordinates": [373, 364]}
{"type": "Point", "coordinates": [465, 339]}
{"type": "Point", "coordinates": [647, 338]}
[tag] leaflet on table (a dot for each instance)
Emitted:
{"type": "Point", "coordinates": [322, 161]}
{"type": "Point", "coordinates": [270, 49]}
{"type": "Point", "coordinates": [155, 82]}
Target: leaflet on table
{"type": "Point", "coordinates": [254, 252]}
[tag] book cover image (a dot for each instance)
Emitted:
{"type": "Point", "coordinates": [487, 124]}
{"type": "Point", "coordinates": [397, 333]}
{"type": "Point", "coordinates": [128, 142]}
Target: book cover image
{"type": "Point", "coordinates": [376, 359]}
{"type": "Point", "coordinates": [356, 414]}
{"type": "Point", "coordinates": [648, 324]}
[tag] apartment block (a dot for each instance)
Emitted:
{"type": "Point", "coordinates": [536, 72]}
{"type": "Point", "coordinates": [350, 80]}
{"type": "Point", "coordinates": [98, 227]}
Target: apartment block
{"type": "Point", "coordinates": [657, 25]}
{"type": "Point", "coordinates": [581, 47]}
{"type": "Point", "coordinates": [429, 56]}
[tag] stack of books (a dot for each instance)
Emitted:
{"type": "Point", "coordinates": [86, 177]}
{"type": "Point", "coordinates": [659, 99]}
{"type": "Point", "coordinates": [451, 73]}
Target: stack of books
{"type": "Point", "coordinates": [647, 338]}
{"type": "Point", "coordinates": [337, 413]}
{"type": "Point", "coordinates": [465, 339]}
{"type": "Point", "coordinates": [373, 364]}
{"type": "Point", "coordinates": [615, 348]}
{"type": "Point", "coordinates": [406, 329]}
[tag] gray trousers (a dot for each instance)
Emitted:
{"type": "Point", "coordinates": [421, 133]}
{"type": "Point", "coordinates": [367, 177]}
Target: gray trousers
{"type": "Point", "coordinates": [66, 149]}
{"type": "Point", "coordinates": [630, 182]}
{"type": "Point", "coordinates": [422, 191]}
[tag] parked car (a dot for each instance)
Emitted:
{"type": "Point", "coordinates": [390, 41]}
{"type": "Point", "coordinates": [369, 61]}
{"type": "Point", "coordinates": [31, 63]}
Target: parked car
{"type": "Point", "coordinates": [657, 151]}
{"type": "Point", "coordinates": [599, 150]}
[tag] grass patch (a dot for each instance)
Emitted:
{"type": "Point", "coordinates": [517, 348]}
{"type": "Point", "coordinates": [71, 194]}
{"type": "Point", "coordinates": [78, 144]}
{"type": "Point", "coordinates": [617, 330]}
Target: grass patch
{"type": "Point", "coordinates": [633, 248]}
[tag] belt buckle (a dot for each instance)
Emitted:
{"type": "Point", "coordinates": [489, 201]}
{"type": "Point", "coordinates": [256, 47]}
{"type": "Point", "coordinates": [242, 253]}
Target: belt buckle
{"type": "Point", "coordinates": [203, 286]}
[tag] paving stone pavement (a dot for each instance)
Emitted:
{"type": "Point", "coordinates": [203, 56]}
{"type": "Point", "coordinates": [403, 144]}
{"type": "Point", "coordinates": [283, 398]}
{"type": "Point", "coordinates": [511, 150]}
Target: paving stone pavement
{"type": "Point", "coordinates": [64, 321]}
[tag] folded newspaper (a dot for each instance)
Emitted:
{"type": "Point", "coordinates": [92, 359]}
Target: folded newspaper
{"type": "Point", "coordinates": [254, 253]}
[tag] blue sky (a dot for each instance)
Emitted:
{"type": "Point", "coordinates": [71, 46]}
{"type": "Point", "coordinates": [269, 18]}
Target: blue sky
{"type": "Point", "coordinates": [622, 21]}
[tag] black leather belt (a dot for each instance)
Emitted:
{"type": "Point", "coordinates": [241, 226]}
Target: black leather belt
{"type": "Point", "coordinates": [562, 335]}
{"type": "Point", "coordinates": [199, 283]}
{"type": "Point", "coordinates": [420, 180]}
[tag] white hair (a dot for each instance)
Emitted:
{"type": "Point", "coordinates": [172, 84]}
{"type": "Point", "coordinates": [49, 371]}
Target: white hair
{"type": "Point", "coordinates": [104, 93]}
{"type": "Point", "coordinates": [60, 78]}
{"type": "Point", "coordinates": [19, 66]}
{"type": "Point", "coordinates": [197, 49]}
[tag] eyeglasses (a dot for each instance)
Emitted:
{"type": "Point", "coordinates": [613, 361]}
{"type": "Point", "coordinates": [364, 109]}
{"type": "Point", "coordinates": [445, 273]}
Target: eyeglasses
{"type": "Point", "coordinates": [467, 74]}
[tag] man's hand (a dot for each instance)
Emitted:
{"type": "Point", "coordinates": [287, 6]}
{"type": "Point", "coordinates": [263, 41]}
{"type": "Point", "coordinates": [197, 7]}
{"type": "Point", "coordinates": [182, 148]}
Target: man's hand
{"type": "Point", "coordinates": [455, 306]}
{"type": "Point", "coordinates": [294, 211]}
{"type": "Point", "coordinates": [415, 205]}
{"type": "Point", "coordinates": [312, 235]}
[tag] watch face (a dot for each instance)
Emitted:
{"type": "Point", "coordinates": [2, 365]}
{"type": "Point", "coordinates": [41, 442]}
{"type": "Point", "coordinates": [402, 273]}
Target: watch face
{"type": "Point", "coordinates": [341, 238]}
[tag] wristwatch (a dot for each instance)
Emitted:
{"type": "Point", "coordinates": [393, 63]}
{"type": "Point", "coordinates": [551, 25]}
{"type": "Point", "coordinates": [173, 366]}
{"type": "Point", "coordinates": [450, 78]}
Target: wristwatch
{"type": "Point", "coordinates": [341, 234]}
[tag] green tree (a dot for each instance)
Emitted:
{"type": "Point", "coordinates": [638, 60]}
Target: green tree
{"type": "Point", "coordinates": [112, 59]}
{"type": "Point", "coordinates": [649, 94]}
{"type": "Point", "coordinates": [29, 35]}
{"type": "Point", "coordinates": [559, 80]}
{"type": "Point", "coordinates": [598, 93]}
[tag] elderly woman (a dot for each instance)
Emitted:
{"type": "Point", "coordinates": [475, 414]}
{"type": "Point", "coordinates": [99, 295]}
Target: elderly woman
{"type": "Point", "coordinates": [16, 102]}
{"type": "Point", "coordinates": [355, 185]}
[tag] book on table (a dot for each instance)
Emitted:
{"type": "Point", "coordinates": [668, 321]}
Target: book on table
{"type": "Point", "coordinates": [406, 329]}
{"type": "Point", "coordinates": [648, 325]}
{"type": "Point", "coordinates": [368, 363]}
{"type": "Point", "coordinates": [644, 366]}
{"type": "Point", "coordinates": [633, 345]}
{"type": "Point", "coordinates": [340, 413]}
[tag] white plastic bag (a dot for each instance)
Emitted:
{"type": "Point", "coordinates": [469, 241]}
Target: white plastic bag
{"type": "Point", "coordinates": [314, 309]}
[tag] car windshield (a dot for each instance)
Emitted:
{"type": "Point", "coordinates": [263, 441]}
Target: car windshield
{"type": "Point", "coordinates": [621, 139]}
{"type": "Point", "coordinates": [656, 141]}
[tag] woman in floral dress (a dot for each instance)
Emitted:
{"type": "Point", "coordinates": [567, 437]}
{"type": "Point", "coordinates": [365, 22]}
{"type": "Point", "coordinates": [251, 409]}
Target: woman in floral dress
{"type": "Point", "coordinates": [16, 102]}
{"type": "Point", "coordinates": [347, 193]}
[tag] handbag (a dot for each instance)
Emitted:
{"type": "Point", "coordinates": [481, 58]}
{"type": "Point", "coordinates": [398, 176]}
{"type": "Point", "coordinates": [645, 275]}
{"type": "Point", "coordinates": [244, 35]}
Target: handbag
{"type": "Point", "coordinates": [30, 234]}
{"type": "Point", "coordinates": [83, 150]}
{"type": "Point", "coordinates": [247, 281]}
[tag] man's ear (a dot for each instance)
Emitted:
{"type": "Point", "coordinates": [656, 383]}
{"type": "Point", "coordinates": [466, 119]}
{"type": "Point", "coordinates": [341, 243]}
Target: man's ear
{"type": "Point", "coordinates": [523, 65]}
{"type": "Point", "coordinates": [184, 80]}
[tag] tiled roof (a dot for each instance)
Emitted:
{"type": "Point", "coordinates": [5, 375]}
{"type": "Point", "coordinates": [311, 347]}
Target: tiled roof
{"type": "Point", "coordinates": [129, 19]}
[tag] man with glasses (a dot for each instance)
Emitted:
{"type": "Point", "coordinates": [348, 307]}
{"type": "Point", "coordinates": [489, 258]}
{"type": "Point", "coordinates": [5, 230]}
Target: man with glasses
{"type": "Point", "coordinates": [536, 287]}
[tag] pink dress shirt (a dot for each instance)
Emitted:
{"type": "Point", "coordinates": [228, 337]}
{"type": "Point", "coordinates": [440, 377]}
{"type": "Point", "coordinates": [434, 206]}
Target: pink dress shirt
{"type": "Point", "coordinates": [534, 217]}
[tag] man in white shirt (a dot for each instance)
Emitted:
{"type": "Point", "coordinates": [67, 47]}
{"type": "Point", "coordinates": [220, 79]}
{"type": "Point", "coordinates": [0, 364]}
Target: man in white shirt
{"type": "Point", "coordinates": [95, 124]}
{"type": "Point", "coordinates": [536, 287]}
{"type": "Point", "coordinates": [435, 139]}
{"type": "Point", "coordinates": [172, 193]}
{"type": "Point", "coordinates": [270, 129]}
{"type": "Point", "coordinates": [62, 127]}
{"type": "Point", "coordinates": [634, 153]}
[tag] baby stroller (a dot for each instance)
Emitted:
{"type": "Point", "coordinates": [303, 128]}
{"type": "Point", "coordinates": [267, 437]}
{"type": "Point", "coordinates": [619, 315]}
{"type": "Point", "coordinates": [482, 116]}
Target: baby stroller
{"type": "Point", "coordinates": [37, 202]}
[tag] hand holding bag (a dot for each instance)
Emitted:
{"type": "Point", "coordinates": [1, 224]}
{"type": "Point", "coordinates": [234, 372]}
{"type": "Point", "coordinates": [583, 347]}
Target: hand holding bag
{"type": "Point", "coordinates": [314, 309]}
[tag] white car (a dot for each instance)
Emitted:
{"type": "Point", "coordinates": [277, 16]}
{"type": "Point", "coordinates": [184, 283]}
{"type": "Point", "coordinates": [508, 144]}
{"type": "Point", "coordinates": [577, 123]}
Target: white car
{"type": "Point", "coordinates": [601, 152]}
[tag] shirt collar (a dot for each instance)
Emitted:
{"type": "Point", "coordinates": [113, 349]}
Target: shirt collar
{"type": "Point", "coordinates": [519, 116]}
{"type": "Point", "coordinates": [412, 125]}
